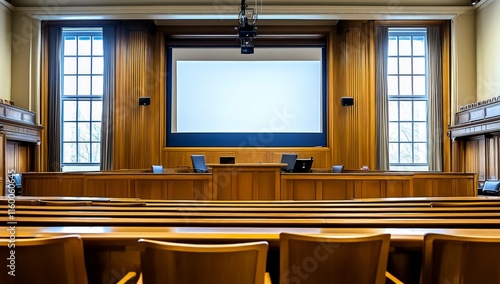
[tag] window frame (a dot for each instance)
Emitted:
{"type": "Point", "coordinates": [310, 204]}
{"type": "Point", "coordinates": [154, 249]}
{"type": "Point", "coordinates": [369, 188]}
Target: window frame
{"type": "Point", "coordinates": [77, 98]}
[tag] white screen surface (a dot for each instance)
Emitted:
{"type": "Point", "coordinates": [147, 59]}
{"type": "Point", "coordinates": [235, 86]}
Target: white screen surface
{"type": "Point", "coordinates": [219, 90]}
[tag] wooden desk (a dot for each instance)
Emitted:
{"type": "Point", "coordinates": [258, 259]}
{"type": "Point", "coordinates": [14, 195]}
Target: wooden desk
{"type": "Point", "coordinates": [246, 181]}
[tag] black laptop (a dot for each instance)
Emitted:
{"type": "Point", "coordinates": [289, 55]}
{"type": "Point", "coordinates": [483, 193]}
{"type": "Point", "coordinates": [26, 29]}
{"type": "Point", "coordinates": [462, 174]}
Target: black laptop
{"type": "Point", "coordinates": [303, 165]}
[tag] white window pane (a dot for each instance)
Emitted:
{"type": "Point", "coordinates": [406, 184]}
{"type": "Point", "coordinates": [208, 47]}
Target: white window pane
{"type": "Point", "coordinates": [420, 132]}
{"type": "Point", "coordinates": [405, 88]}
{"type": "Point", "coordinates": [84, 65]}
{"type": "Point", "coordinates": [419, 65]}
{"type": "Point", "coordinates": [393, 46]}
{"type": "Point", "coordinates": [406, 153]}
{"type": "Point", "coordinates": [419, 45]}
{"type": "Point", "coordinates": [96, 153]}
{"type": "Point", "coordinates": [84, 152]}
{"type": "Point", "coordinates": [97, 86]}
{"type": "Point", "coordinates": [405, 111]}
{"type": "Point", "coordinates": [97, 45]}
{"type": "Point", "coordinates": [69, 65]}
{"type": "Point", "coordinates": [84, 111]}
{"type": "Point", "coordinates": [404, 45]}
{"type": "Point", "coordinates": [392, 65]}
{"type": "Point", "coordinates": [69, 132]}
{"type": "Point", "coordinates": [419, 86]}
{"type": "Point", "coordinates": [97, 65]}
{"type": "Point", "coordinates": [69, 45]}
{"type": "Point", "coordinates": [393, 110]}
{"type": "Point", "coordinates": [392, 85]}
{"type": "Point", "coordinates": [96, 110]}
{"type": "Point", "coordinates": [96, 132]}
{"type": "Point", "coordinates": [393, 153]}
{"type": "Point", "coordinates": [420, 152]}
{"type": "Point", "coordinates": [83, 131]}
{"type": "Point", "coordinates": [393, 131]}
{"type": "Point", "coordinates": [84, 45]}
{"type": "Point", "coordinates": [404, 65]}
{"type": "Point", "coordinates": [69, 153]}
{"type": "Point", "coordinates": [405, 132]}
{"type": "Point", "coordinates": [69, 109]}
{"type": "Point", "coordinates": [420, 111]}
{"type": "Point", "coordinates": [69, 85]}
{"type": "Point", "coordinates": [84, 85]}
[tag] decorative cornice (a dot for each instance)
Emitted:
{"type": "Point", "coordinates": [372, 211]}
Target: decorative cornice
{"type": "Point", "coordinates": [281, 12]}
{"type": "Point", "coordinates": [482, 4]}
{"type": "Point", "coordinates": [4, 5]}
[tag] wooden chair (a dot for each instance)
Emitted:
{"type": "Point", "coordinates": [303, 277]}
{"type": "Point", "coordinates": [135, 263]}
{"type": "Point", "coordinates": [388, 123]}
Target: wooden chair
{"type": "Point", "coordinates": [309, 259]}
{"type": "Point", "coordinates": [458, 259]}
{"type": "Point", "coordinates": [166, 262]}
{"type": "Point", "coordinates": [43, 261]}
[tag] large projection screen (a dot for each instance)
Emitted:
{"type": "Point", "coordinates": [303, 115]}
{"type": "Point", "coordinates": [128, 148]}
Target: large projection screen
{"type": "Point", "coordinates": [220, 97]}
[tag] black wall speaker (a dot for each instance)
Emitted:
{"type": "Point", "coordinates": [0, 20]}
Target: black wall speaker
{"type": "Point", "coordinates": [144, 101]}
{"type": "Point", "coordinates": [347, 101]}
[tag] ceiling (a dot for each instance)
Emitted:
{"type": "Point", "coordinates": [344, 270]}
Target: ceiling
{"type": "Point", "coordinates": [228, 9]}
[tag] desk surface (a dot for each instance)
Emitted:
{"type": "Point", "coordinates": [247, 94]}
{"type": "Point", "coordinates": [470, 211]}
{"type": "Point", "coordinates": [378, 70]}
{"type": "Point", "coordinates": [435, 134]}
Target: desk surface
{"type": "Point", "coordinates": [401, 237]}
{"type": "Point", "coordinates": [246, 165]}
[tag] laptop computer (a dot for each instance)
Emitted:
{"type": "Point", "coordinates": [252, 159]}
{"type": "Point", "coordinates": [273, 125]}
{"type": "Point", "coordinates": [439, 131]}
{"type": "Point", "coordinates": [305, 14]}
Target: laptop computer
{"type": "Point", "coordinates": [227, 160]}
{"type": "Point", "coordinates": [288, 159]}
{"type": "Point", "coordinates": [199, 165]}
{"type": "Point", "coordinates": [303, 165]}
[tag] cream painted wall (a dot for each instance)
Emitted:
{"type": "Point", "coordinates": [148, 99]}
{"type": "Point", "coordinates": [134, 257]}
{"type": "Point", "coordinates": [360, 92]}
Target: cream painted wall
{"type": "Point", "coordinates": [463, 61]}
{"type": "Point", "coordinates": [488, 46]}
{"type": "Point", "coordinates": [25, 61]}
{"type": "Point", "coordinates": [5, 52]}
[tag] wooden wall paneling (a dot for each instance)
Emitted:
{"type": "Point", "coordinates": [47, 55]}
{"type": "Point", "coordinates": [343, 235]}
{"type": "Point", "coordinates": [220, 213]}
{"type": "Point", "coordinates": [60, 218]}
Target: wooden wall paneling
{"type": "Point", "coordinates": [3, 169]}
{"type": "Point", "coordinates": [353, 127]}
{"type": "Point", "coordinates": [482, 158]}
{"type": "Point", "coordinates": [95, 187]}
{"type": "Point", "coordinates": [338, 189]}
{"type": "Point", "coordinates": [492, 153]}
{"type": "Point", "coordinates": [303, 190]}
{"type": "Point", "coordinates": [471, 160]}
{"type": "Point", "coordinates": [222, 184]}
{"type": "Point", "coordinates": [398, 188]}
{"type": "Point", "coordinates": [137, 135]}
{"type": "Point", "coordinates": [11, 156]}
{"type": "Point", "coordinates": [369, 189]}
{"type": "Point", "coordinates": [38, 184]}
{"type": "Point", "coordinates": [123, 187]}
{"type": "Point", "coordinates": [443, 187]}
{"type": "Point", "coordinates": [245, 185]}
{"type": "Point", "coordinates": [422, 187]}
{"type": "Point", "coordinates": [463, 187]}
{"type": "Point", "coordinates": [150, 189]}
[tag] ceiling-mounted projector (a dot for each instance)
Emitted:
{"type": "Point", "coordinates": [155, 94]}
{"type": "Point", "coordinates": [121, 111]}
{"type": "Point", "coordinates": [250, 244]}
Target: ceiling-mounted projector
{"type": "Point", "coordinates": [247, 30]}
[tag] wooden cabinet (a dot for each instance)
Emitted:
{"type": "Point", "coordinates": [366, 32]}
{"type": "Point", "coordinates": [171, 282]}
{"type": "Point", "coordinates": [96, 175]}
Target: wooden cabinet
{"type": "Point", "coordinates": [20, 140]}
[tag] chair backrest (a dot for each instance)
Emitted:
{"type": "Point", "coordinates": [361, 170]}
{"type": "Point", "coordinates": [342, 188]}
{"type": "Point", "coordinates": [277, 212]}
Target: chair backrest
{"type": "Point", "coordinates": [157, 169]}
{"type": "Point", "coordinates": [199, 164]}
{"type": "Point", "coordinates": [168, 263]}
{"type": "Point", "coordinates": [308, 259]}
{"type": "Point", "coordinates": [337, 168]}
{"type": "Point", "coordinates": [459, 259]}
{"type": "Point", "coordinates": [43, 260]}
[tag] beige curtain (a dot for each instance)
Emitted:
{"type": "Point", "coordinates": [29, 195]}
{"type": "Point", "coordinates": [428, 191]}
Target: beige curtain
{"type": "Point", "coordinates": [382, 98]}
{"type": "Point", "coordinates": [435, 99]}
